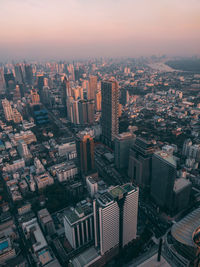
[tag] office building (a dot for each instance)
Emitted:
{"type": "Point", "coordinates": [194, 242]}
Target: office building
{"type": "Point", "coordinates": [124, 99]}
{"type": "Point", "coordinates": [79, 224]}
{"type": "Point", "coordinates": [123, 142]}
{"type": "Point", "coordinates": [9, 81]}
{"type": "Point", "coordinates": [16, 94]}
{"type": "Point", "coordinates": [85, 152]}
{"type": "Point", "coordinates": [98, 101]}
{"type": "Point", "coordinates": [18, 74]}
{"type": "Point", "coordinates": [140, 163]}
{"type": "Point", "coordinates": [115, 218]}
{"type": "Point", "coordinates": [86, 111]}
{"type": "Point", "coordinates": [110, 111]}
{"type": "Point", "coordinates": [40, 114]}
{"type": "Point", "coordinates": [2, 81]}
{"type": "Point", "coordinates": [181, 195]}
{"type": "Point", "coordinates": [92, 88]}
{"type": "Point", "coordinates": [163, 178]}
{"type": "Point", "coordinates": [35, 98]}
{"type": "Point", "coordinates": [28, 74]}
{"type": "Point", "coordinates": [92, 185]}
{"type": "Point", "coordinates": [17, 117]}
{"type": "Point", "coordinates": [8, 112]}
{"type": "Point", "coordinates": [73, 110]}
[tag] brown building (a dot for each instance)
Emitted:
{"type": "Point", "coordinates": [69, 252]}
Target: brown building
{"type": "Point", "coordinates": [35, 98]}
{"type": "Point", "coordinates": [98, 101]}
{"type": "Point", "coordinates": [85, 152]}
{"type": "Point", "coordinates": [92, 87]}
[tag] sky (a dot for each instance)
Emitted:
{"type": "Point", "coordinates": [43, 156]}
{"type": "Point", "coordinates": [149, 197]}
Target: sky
{"type": "Point", "coordinates": [72, 29]}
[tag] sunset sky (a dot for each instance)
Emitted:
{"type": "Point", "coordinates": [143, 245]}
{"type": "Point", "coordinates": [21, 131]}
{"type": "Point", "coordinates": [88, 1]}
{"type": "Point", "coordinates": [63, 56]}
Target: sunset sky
{"type": "Point", "coordinates": [69, 29]}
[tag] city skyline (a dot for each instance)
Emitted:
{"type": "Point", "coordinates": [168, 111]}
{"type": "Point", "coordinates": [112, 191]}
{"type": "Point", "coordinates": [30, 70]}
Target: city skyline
{"type": "Point", "coordinates": [81, 29]}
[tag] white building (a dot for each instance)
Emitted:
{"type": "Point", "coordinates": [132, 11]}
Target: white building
{"type": "Point", "coordinates": [67, 148]}
{"type": "Point", "coordinates": [32, 226]}
{"type": "Point", "coordinates": [65, 171]}
{"type": "Point", "coordinates": [78, 223]}
{"type": "Point", "coordinates": [92, 186]}
{"type": "Point", "coordinates": [115, 217]}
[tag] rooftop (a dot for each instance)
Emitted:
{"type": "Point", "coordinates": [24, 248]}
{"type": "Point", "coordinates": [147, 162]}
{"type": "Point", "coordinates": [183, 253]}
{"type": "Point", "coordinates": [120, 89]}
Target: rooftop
{"type": "Point", "coordinates": [183, 230]}
{"type": "Point", "coordinates": [180, 184]}
{"type": "Point", "coordinates": [86, 258]}
{"type": "Point", "coordinates": [81, 210]}
{"type": "Point", "coordinates": [166, 157]}
{"type": "Point", "coordinates": [117, 191]}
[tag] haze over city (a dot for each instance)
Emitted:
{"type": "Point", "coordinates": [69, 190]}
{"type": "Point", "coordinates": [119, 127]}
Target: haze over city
{"type": "Point", "coordinates": [71, 29]}
{"type": "Point", "coordinates": [100, 133]}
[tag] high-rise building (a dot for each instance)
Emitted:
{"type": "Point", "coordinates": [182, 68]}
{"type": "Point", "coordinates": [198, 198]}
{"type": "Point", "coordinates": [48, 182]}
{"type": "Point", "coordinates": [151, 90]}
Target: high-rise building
{"type": "Point", "coordinates": [9, 81]}
{"type": "Point", "coordinates": [18, 74]}
{"type": "Point", "coordinates": [40, 82]}
{"type": "Point", "coordinates": [110, 111]}
{"type": "Point", "coordinates": [17, 117]}
{"type": "Point", "coordinates": [16, 94]}
{"type": "Point", "coordinates": [124, 97]}
{"type": "Point", "coordinates": [98, 101]}
{"type": "Point", "coordinates": [85, 152]}
{"type": "Point", "coordinates": [163, 179]}
{"type": "Point", "coordinates": [140, 163]}
{"type": "Point", "coordinates": [35, 98]}
{"type": "Point", "coordinates": [90, 111]}
{"type": "Point", "coordinates": [115, 218]}
{"type": "Point", "coordinates": [79, 224]}
{"type": "Point", "coordinates": [29, 74]}
{"type": "Point", "coordinates": [2, 80]}
{"type": "Point", "coordinates": [92, 88]}
{"type": "Point", "coordinates": [123, 142]}
{"type": "Point", "coordinates": [8, 112]}
{"type": "Point", "coordinates": [83, 113]}
{"type": "Point", "coordinates": [73, 110]}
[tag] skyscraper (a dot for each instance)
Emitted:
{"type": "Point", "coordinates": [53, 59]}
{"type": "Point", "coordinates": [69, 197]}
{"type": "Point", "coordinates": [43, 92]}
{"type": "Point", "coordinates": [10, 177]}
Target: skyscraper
{"type": "Point", "coordinates": [85, 152]}
{"type": "Point", "coordinates": [2, 80]}
{"type": "Point", "coordinates": [92, 87]}
{"type": "Point", "coordinates": [140, 163]}
{"type": "Point", "coordinates": [123, 142]}
{"type": "Point", "coordinates": [163, 179]}
{"type": "Point", "coordinates": [9, 81]}
{"type": "Point", "coordinates": [98, 101]}
{"type": "Point", "coordinates": [110, 111]}
{"type": "Point", "coordinates": [8, 112]}
{"type": "Point", "coordinates": [29, 74]}
{"type": "Point", "coordinates": [18, 74]}
{"type": "Point", "coordinates": [115, 218]}
{"type": "Point", "coordinates": [35, 98]}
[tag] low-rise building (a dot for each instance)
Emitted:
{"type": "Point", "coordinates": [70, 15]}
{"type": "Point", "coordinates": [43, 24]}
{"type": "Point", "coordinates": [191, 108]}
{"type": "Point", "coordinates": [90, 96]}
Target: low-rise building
{"type": "Point", "coordinates": [43, 180]}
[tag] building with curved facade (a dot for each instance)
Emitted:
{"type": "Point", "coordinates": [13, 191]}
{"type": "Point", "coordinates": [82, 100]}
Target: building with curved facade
{"type": "Point", "coordinates": [182, 243]}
